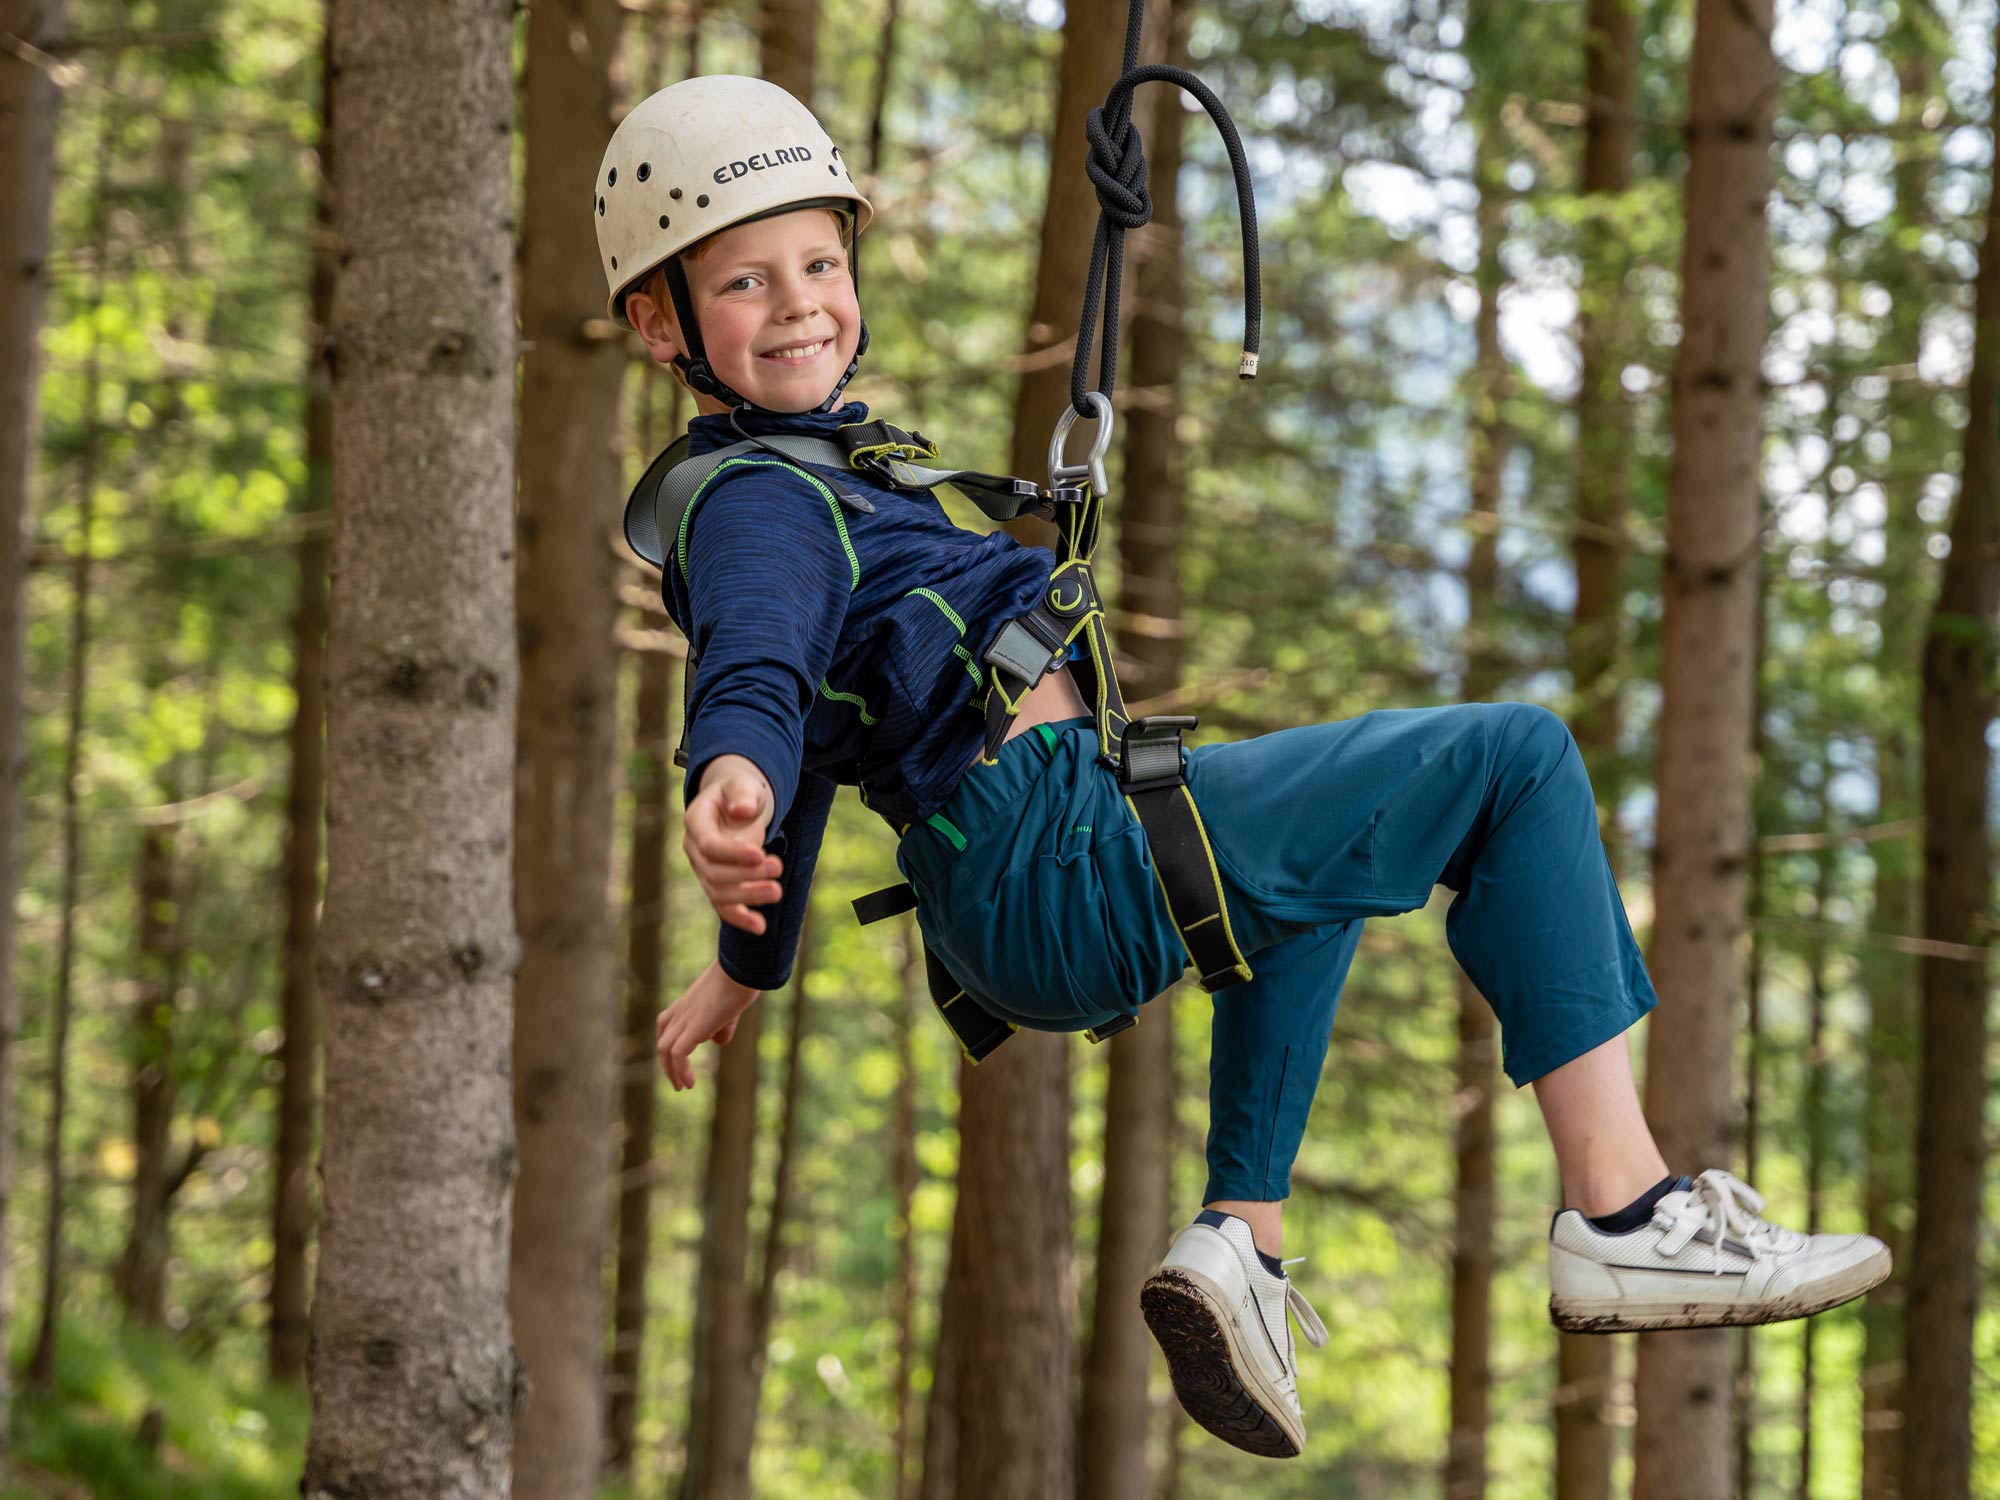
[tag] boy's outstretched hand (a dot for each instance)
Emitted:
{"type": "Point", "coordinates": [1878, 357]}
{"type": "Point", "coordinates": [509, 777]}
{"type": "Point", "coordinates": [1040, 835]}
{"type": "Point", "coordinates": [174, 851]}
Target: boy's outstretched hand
{"type": "Point", "coordinates": [708, 1011]}
{"type": "Point", "coordinates": [723, 838]}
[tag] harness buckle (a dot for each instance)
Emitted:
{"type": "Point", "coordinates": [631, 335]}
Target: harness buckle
{"type": "Point", "coordinates": [1149, 752]}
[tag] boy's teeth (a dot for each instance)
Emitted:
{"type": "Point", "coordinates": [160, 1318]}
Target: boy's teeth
{"type": "Point", "coordinates": [806, 351]}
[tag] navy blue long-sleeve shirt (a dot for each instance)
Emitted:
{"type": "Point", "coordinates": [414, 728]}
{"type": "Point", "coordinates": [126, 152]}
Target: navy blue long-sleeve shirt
{"type": "Point", "coordinates": [835, 648]}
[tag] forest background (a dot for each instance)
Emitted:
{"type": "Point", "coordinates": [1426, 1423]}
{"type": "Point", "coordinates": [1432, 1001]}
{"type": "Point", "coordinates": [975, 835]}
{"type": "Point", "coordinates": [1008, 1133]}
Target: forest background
{"type": "Point", "coordinates": [1397, 512]}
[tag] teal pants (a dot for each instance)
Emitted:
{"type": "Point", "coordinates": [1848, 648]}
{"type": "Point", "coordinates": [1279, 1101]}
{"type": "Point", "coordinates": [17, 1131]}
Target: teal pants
{"type": "Point", "coordinates": [1035, 888]}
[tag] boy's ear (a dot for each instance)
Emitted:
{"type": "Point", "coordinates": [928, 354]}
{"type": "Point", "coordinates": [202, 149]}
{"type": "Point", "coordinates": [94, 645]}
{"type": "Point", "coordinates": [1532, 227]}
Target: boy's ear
{"type": "Point", "coordinates": [654, 326]}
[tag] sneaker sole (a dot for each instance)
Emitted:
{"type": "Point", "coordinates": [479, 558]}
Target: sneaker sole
{"type": "Point", "coordinates": [1208, 1369]}
{"type": "Point", "coordinates": [1619, 1315]}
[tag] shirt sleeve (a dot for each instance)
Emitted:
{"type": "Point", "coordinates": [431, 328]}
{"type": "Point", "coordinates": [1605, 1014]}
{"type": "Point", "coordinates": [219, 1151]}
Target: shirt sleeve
{"type": "Point", "coordinates": [763, 960]}
{"type": "Point", "coordinates": [769, 574]}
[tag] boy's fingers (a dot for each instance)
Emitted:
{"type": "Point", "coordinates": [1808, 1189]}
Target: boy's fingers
{"type": "Point", "coordinates": [741, 916]}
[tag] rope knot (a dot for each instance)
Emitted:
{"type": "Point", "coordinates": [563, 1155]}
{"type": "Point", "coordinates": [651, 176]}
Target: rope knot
{"type": "Point", "coordinates": [1117, 169]}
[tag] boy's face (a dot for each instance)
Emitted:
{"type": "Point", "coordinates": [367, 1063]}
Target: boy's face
{"type": "Point", "coordinates": [779, 318]}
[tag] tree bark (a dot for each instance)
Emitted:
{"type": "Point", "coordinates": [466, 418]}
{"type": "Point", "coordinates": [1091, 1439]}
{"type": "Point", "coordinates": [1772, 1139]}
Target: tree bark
{"type": "Point", "coordinates": [42, 1363]}
{"type": "Point", "coordinates": [141, 1279]}
{"type": "Point", "coordinates": [1707, 666]}
{"type": "Point", "coordinates": [1473, 1190]}
{"type": "Point", "coordinates": [1586, 1364]}
{"type": "Point", "coordinates": [904, 1299]}
{"type": "Point", "coordinates": [721, 1389]}
{"type": "Point", "coordinates": [1114, 1451]}
{"type": "Point", "coordinates": [565, 1004]}
{"type": "Point", "coordinates": [1889, 978]}
{"type": "Point", "coordinates": [29, 101]}
{"type": "Point", "coordinates": [415, 1385]}
{"type": "Point", "coordinates": [788, 46]}
{"type": "Point", "coordinates": [1958, 707]}
{"type": "Point", "coordinates": [1011, 1271]}
{"type": "Point", "coordinates": [298, 1089]}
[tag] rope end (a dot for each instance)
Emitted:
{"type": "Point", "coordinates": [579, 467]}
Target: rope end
{"type": "Point", "coordinates": [1246, 368]}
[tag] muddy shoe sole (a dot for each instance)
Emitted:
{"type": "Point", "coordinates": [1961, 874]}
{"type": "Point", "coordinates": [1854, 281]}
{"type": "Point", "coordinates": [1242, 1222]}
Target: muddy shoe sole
{"type": "Point", "coordinates": [1206, 1366]}
{"type": "Point", "coordinates": [1604, 1315]}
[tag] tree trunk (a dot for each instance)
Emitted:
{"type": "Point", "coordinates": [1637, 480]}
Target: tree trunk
{"type": "Point", "coordinates": [1958, 707]}
{"type": "Point", "coordinates": [647, 915]}
{"type": "Point", "coordinates": [904, 1298]}
{"type": "Point", "coordinates": [298, 1102]}
{"type": "Point", "coordinates": [565, 1005]}
{"type": "Point", "coordinates": [772, 1256]}
{"type": "Point", "coordinates": [721, 1389]}
{"type": "Point", "coordinates": [1011, 1273]}
{"type": "Point", "coordinates": [788, 46]}
{"type": "Point", "coordinates": [29, 101]}
{"type": "Point", "coordinates": [415, 1385]}
{"type": "Point", "coordinates": [1708, 653]}
{"type": "Point", "coordinates": [141, 1279]}
{"type": "Point", "coordinates": [1586, 1364]}
{"type": "Point", "coordinates": [1889, 978]}
{"type": "Point", "coordinates": [1473, 1190]}
{"type": "Point", "coordinates": [42, 1363]}
{"type": "Point", "coordinates": [1815, 1112]}
{"type": "Point", "coordinates": [1135, 1215]}
{"type": "Point", "coordinates": [940, 1473]}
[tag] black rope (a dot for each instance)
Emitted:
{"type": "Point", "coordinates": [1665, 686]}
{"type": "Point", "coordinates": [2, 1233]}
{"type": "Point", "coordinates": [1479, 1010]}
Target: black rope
{"type": "Point", "coordinates": [1117, 169]}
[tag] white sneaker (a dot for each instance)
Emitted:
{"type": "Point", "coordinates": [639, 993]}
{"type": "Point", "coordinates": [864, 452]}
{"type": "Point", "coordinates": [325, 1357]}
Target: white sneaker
{"type": "Point", "coordinates": [1705, 1260]}
{"type": "Point", "coordinates": [1219, 1317]}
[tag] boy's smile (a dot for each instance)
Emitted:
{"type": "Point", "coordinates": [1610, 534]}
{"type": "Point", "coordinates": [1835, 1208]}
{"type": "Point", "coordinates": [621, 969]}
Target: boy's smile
{"type": "Point", "coordinates": [779, 317]}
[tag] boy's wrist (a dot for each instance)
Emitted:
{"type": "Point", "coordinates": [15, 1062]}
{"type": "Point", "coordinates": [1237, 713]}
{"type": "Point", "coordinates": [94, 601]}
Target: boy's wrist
{"type": "Point", "coordinates": [729, 762]}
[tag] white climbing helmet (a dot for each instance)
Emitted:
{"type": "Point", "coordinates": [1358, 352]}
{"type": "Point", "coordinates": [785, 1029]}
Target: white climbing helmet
{"type": "Point", "coordinates": [701, 155]}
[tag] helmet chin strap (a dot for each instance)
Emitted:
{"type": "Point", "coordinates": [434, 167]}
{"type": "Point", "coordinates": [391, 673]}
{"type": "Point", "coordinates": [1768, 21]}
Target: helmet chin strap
{"type": "Point", "coordinates": [700, 374]}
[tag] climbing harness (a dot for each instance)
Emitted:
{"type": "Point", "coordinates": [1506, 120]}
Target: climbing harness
{"type": "Point", "coordinates": [1067, 623]}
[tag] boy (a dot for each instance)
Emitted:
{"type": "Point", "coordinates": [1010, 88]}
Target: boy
{"type": "Point", "coordinates": [839, 623]}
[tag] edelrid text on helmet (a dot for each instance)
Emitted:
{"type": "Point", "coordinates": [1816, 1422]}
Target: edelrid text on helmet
{"type": "Point", "coordinates": [784, 156]}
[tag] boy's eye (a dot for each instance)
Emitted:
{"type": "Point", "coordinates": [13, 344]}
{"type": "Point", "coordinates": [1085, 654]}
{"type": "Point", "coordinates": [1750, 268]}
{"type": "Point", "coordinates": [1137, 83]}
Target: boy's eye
{"type": "Point", "coordinates": [824, 261]}
{"type": "Point", "coordinates": [741, 283]}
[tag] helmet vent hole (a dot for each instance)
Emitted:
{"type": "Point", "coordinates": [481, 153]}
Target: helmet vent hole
{"type": "Point", "coordinates": [600, 208]}
{"type": "Point", "coordinates": [663, 221]}
{"type": "Point", "coordinates": [645, 170]}
{"type": "Point", "coordinates": [674, 193]}
{"type": "Point", "coordinates": [702, 201]}
{"type": "Point", "coordinates": [832, 171]}
{"type": "Point", "coordinates": [614, 262]}
{"type": "Point", "coordinates": [612, 180]}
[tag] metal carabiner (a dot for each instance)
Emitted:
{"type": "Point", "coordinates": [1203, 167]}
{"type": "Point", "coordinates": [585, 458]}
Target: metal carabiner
{"type": "Point", "coordinates": [1093, 466]}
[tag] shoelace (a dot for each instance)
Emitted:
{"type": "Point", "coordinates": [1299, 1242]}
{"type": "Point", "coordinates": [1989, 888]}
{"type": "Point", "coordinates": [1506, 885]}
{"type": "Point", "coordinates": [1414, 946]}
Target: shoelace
{"type": "Point", "coordinates": [1724, 1207]}
{"type": "Point", "coordinates": [1309, 1323]}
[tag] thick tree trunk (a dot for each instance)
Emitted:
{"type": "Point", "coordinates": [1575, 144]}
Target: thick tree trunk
{"type": "Point", "coordinates": [565, 1004]}
{"type": "Point", "coordinates": [1114, 1451]}
{"type": "Point", "coordinates": [298, 1088]}
{"type": "Point", "coordinates": [1958, 708]}
{"type": "Point", "coordinates": [1586, 1364]}
{"type": "Point", "coordinates": [28, 104]}
{"type": "Point", "coordinates": [1707, 666]}
{"type": "Point", "coordinates": [788, 46]}
{"type": "Point", "coordinates": [721, 1389]}
{"type": "Point", "coordinates": [1010, 1277]}
{"type": "Point", "coordinates": [414, 1382]}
